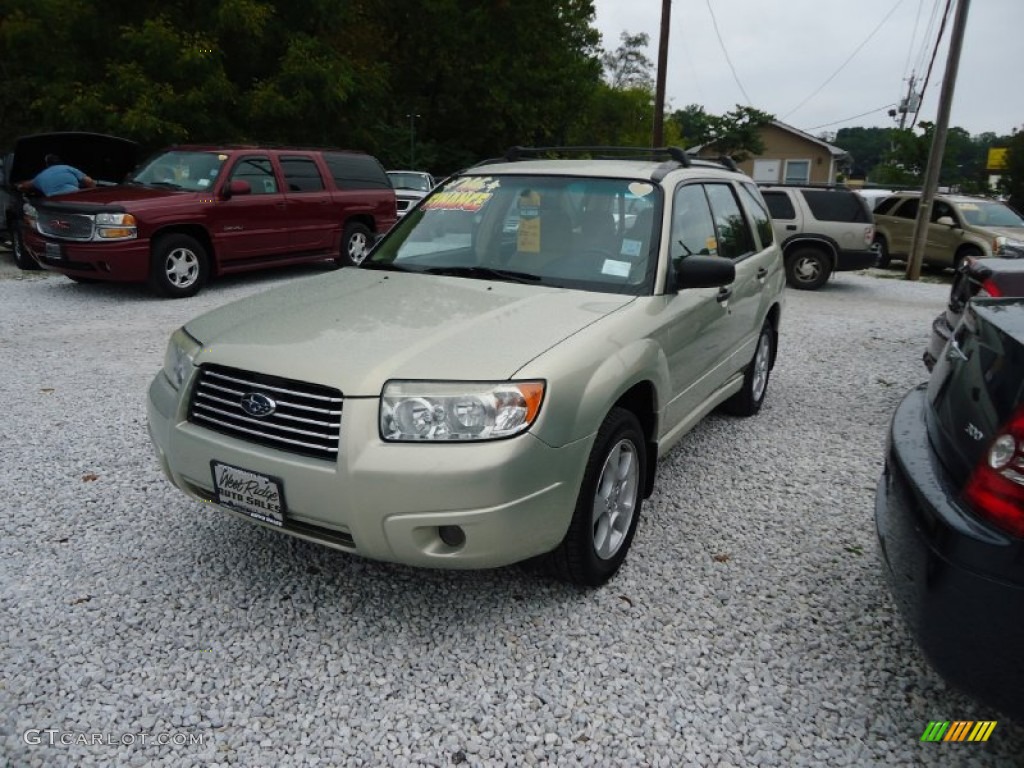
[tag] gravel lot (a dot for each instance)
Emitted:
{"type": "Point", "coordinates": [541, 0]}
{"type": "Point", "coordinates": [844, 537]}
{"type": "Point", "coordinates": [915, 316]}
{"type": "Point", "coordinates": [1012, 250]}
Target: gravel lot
{"type": "Point", "coordinates": [750, 624]}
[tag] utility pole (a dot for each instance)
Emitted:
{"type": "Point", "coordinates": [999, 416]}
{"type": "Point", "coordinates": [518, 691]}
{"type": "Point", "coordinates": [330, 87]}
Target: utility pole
{"type": "Point", "coordinates": [931, 176]}
{"type": "Point", "coordinates": [657, 134]}
{"type": "Point", "coordinates": [910, 103]}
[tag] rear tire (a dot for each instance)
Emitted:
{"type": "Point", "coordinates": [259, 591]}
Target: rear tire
{"type": "Point", "coordinates": [884, 257]}
{"type": "Point", "coordinates": [355, 244]}
{"type": "Point", "coordinates": [807, 269]}
{"type": "Point", "coordinates": [22, 258]}
{"type": "Point", "coordinates": [179, 266]}
{"type": "Point", "coordinates": [608, 506]}
{"type": "Point", "coordinates": [748, 401]}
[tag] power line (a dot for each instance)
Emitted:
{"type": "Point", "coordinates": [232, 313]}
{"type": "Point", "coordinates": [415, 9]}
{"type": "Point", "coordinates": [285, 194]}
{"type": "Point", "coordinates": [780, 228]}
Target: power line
{"type": "Point", "coordinates": [718, 34]}
{"type": "Point", "coordinates": [848, 59]}
{"type": "Point", "coordinates": [913, 37]}
{"type": "Point", "coordinates": [848, 119]}
{"type": "Point", "coordinates": [922, 55]}
{"type": "Point", "coordinates": [935, 50]}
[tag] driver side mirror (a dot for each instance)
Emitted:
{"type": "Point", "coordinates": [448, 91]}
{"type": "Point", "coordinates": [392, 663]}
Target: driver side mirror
{"type": "Point", "coordinates": [704, 272]}
{"type": "Point", "coordinates": [237, 187]}
{"type": "Point", "coordinates": [947, 220]}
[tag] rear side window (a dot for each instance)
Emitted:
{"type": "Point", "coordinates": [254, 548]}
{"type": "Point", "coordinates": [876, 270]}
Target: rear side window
{"type": "Point", "coordinates": [886, 205]}
{"type": "Point", "coordinates": [301, 174]}
{"type": "Point", "coordinates": [833, 205]}
{"type": "Point", "coordinates": [908, 210]}
{"type": "Point", "coordinates": [779, 205]}
{"type": "Point", "coordinates": [734, 236]}
{"type": "Point", "coordinates": [356, 171]}
{"type": "Point", "coordinates": [756, 209]}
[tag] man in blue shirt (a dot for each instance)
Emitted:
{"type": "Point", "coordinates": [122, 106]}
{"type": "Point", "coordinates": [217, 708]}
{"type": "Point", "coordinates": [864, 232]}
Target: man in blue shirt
{"type": "Point", "coordinates": [57, 178]}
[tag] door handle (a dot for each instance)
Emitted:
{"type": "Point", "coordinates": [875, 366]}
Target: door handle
{"type": "Point", "coordinates": [723, 295]}
{"type": "Point", "coordinates": [791, 227]}
{"type": "Point", "coordinates": [762, 272]}
{"type": "Point", "coordinates": [281, 204]}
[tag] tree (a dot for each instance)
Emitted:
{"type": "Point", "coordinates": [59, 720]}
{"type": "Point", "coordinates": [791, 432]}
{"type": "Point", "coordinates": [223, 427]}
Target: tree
{"type": "Point", "coordinates": [736, 133]}
{"type": "Point", "coordinates": [628, 66]}
{"type": "Point", "coordinates": [1012, 181]}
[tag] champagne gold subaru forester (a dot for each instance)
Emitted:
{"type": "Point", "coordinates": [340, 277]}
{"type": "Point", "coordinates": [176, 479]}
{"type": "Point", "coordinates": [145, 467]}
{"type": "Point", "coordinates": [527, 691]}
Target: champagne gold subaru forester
{"type": "Point", "coordinates": [498, 379]}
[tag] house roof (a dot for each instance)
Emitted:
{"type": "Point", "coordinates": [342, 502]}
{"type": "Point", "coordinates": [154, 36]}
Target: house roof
{"type": "Point", "coordinates": [833, 150]}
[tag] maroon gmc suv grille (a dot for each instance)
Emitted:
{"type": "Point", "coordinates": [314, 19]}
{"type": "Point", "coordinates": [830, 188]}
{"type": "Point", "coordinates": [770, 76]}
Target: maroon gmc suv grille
{"type": "Point", "coordinates": [66, 226]}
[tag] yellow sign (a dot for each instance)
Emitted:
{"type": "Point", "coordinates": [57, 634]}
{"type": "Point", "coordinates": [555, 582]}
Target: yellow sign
{"type": "Point", "coordinates": [528, 237]}
{"type": "Point", "coordinates": [996, 159]}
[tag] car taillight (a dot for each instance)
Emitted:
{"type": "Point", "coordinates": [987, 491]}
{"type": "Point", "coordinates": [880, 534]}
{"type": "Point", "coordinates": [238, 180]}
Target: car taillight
{"type": "Point", "coordinates": [995, 489]}
{"type": "Point", "coordinates": [869, 236]}
{"type": "Point", "coordinates": [989, 288]}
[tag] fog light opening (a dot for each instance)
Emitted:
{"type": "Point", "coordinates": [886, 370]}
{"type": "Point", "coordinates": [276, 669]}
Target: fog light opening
{"type": "Point", "coordinates": [452, 535]}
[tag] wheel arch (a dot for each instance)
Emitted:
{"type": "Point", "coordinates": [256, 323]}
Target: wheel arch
{"type": "Point", "coordinates": [198, 231]}
{"type": "Point", "coordinates": [641, 400]}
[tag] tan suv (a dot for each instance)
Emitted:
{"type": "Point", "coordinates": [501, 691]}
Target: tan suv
{"type": "Point", "coordinates": [961, 226]}
{"type": "Point", "coordinates": [498, 379]}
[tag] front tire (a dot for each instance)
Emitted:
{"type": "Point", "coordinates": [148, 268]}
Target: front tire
{"type": "Point", "coordinates": [807, 269]}
{"type": "Point", "coordinates": [608, 506]}
{"type": "Point", "coordinates": [748, 401]}
{"type": "Point", "coordinates": [355, 244]}
{"type": "Point", "coordinates": [179, 267]}
{"type": "Point", "coordinates": [22, 258]}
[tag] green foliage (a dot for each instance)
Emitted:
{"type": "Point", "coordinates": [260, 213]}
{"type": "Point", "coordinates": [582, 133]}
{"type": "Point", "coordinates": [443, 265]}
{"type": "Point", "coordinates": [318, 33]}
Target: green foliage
{"type": "Point", "coordinates": [628, 67]}
{"type": "Point", "coordinates": [1012, 182]}
{"type": "Point", "coordinates": [736, 133]}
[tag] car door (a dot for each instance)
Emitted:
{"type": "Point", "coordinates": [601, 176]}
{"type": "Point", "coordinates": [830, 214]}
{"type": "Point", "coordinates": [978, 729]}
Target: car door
{"type": "Point", "coordinates": [313, 222]}
{"type": "Point", "coordinates": [944, 238]}
{"type": "Point", "coordinates": [252, 225]}
{"type": "Point", "coordinates": [695, 320]}
{"type": "Point", "coordinates": [901, 226]}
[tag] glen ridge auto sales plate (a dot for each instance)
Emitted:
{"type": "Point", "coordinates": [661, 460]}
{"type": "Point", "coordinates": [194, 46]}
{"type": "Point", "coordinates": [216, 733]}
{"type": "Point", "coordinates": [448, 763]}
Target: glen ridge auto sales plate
{"type": "Point", "coordinates": [259, 496]}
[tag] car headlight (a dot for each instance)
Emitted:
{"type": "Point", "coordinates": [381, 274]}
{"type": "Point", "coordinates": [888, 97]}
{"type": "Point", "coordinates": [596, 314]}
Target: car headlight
{"type": "Point", "coordinates": [180, 357]}
{"type": "Point", "coordinates": [115, 226]}
{"type": "Point", "coordinates": [29, 214]}
{"type": "Point", "coordinates": [1008, 246]}
{"type": "Point", "coordinates": [458, 410]}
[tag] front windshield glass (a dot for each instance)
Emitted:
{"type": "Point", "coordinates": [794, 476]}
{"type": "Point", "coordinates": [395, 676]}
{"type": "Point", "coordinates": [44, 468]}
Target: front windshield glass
{"type": "Point", "coordinates": [990, 214]}
{"type": "Point", "coordinates": [192, 171]}
{"type": "Point", "coordinates": [416, 181]}
{"type": "Point", "coordinates": [572, 232]}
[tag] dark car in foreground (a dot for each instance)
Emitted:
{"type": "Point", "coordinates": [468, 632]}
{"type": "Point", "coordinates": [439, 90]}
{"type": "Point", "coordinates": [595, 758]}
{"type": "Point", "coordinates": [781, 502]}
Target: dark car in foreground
{"type": "Point", "coordinates": [974, 277]}
{"type": "Point", "coordinates": [105, 159]}
{"type": "Point", "coordinates": [950, 507]}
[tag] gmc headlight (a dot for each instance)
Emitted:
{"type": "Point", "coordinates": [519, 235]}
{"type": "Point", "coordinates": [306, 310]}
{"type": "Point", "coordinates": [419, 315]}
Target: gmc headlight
{"type": "Point", "coordinates": [29, 214]}
{"type": "Point", "coordinates": [179, 360]}
{"type": "Point", "coordinates": [1008, 247]}
{"type": "Point", "coordinates": [116, 226]}
{"type": "Point", "coordinates": [458, 410]}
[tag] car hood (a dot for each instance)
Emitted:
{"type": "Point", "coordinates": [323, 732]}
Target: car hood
{"type": "Point", "coordinates": [130, 194]}
{"type": "Point", "coordinates": [1014, 233]}
{"type": "Point", "coordinates": [359, 328]}
{"type": "Point", "coordinates": [97, 155]}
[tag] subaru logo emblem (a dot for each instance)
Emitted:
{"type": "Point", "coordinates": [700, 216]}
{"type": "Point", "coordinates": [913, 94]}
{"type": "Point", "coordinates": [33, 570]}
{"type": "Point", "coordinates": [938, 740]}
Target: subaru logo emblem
{"type": "Point", "coordinates": [258, 405]}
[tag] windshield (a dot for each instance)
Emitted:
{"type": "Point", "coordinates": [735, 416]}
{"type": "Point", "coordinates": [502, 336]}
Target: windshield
{"type": "Point", "coordinates": [572, 232]}
{"type": "Point", "coordinates": [193, 171]}
{"type": "Point", "coordinates": [990, 214]}
{"type": "Point", "coordinates": [415, 181]}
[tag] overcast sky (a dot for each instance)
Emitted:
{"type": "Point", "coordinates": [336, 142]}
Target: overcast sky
{"type": "Point", "coordinates": [784, 50]}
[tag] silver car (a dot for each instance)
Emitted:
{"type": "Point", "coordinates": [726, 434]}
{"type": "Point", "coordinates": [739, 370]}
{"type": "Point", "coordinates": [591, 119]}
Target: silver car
{"type": "Point", "coordinates": [479, 393]}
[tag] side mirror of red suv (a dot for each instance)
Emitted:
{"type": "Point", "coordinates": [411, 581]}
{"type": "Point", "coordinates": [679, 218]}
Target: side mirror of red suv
{"type": "Point", "coordinates": [237, 188]}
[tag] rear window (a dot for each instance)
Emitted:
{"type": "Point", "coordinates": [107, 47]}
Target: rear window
{"type": "Point", "coordinates": [356, 171]}
{"type": "Point", "coordinates": [886, 205]}
{"type": "Point", "coordinates": [834, 205]}
{"type": "Point", "coordinates": [779, 205]}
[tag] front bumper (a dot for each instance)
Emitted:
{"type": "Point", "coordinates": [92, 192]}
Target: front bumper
{"type": "Point", "coordinates": [851, 260]}
{"type": "Point", "coordinates": [959, 583]}
{"type": "Point", "coordinates": [513, 499]}
{"type": "Point", "coordinates": [116, 261]}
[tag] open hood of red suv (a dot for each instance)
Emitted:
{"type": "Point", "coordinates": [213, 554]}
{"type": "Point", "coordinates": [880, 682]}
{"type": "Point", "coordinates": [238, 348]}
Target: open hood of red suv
{"type": "Point", "coordinates": [99, 156]}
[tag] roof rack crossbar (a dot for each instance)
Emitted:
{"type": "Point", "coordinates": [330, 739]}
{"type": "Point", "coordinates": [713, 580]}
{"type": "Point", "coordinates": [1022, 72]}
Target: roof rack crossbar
{"type": "Point", "coordinates": [516, 153]}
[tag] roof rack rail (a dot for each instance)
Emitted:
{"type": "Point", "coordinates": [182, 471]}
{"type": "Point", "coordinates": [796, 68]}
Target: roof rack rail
{"type": "Point", "coordinates": [514, 154]}
{"type": "Point", "coordinates": [814, 184]}
{"type": "Point", "coordinates": [722, 160]}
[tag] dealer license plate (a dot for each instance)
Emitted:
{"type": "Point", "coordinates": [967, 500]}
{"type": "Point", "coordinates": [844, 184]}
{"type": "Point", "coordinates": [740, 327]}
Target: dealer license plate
{"type": "Point", "coordinates": [256, 495]}
{"type": "Point", "coordinates": [54, 251]}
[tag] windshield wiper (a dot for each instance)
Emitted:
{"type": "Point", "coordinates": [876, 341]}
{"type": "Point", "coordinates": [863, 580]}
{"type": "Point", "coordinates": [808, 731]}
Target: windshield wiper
{"type": "Point", "coordinates": [485, 273]}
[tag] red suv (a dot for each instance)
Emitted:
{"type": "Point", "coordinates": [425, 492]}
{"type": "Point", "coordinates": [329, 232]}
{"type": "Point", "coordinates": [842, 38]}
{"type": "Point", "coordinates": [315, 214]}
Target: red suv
{"type": "Point", "coordinates": [195, 211]}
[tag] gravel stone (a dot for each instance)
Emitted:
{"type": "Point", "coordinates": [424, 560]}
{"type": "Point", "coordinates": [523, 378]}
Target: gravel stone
{"type": "Point", "coordinates": [750, 624]}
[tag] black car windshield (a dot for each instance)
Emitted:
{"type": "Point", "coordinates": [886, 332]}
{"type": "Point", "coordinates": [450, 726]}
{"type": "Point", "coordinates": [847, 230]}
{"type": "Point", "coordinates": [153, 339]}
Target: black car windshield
{"type": "Point", "coordinates": [594, 234]}
{"type": "Point", "coordinates": [192, 171]}
{"type": "Point", "coordinates": [415, 181]}
{"type": "Point", "coordinates": [990, 214]}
